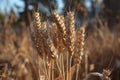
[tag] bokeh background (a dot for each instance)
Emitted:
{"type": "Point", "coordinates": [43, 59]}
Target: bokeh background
{"type": "Point", "coordinates": [102, 43]}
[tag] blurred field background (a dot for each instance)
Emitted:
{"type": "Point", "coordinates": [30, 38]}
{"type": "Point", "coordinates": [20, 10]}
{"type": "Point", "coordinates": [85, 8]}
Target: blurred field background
{"type": "Point", "coordinates": [102, 40]}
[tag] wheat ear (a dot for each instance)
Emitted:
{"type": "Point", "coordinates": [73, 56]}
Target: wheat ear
{"type": "Point", "coordinates": [71, 32]}
{"type": "Point", "coordinates": [36, 37]}
{"type": "Point", "coordinates": [61, 26]}
{"type": "Point", "coordinates": [79, 45]}
{"type": "Point", "coordinates": [79, 48]}
{"type": "Point", "coordinates": [36, 16]}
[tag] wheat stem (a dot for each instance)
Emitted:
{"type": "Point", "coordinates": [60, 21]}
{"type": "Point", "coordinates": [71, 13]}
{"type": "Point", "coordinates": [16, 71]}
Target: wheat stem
{"type": "Point", "coordinates": [58, 68]}
{"type": "Point", "coordinates": [77, 70]}
{"type": "Point", "coordinates": [44, 63]}
{"type": "Point", "coordinates": [86, 65]}
{"type": "Point", "coordinates": [70, 67]}
{"type": "Point", "coordinates": [62, 60]}
{"type": "Point", "coordinates": [49, 70]}
{"type": "Point", "coordinates": [67, 69]}
{"type": "Point", "coordinates": [52, 69]}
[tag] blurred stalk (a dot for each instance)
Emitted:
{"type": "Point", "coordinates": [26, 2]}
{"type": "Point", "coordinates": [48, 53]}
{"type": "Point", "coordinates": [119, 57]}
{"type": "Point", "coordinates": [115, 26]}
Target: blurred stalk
{"type": "Point", "coordinates": [86, 66]}
{"type": "Point", "coordinates": [52, 69]}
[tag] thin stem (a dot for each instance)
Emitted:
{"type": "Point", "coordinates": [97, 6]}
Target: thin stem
{"type": "Point", "coordinates": [70, 67]}
{"type": "Point", "coordinates": [86, 66]}
{"type": "Point", "coordinates": [77, 69]}
{"type": "Point", "coordinates": [61, 62]}
{"type": "Point", "coordinates": [59, 68]}
{"type": "Point", "coordinates": [49, 72]}
{"type": "Point", "coordinates": [67, 66]}
{"type": "Point", "coordinates": [45, 69]}
{"type": "Point", "coordinates": [52, 69]}
{"type": "Point", "coordinates": [63, 66]}
{"type": "Point", "coordinates": [39, 69]}
{"type": "Point", "coordinates": [42, 72]}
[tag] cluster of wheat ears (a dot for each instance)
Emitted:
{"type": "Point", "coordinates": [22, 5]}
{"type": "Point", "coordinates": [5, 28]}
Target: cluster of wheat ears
{"type": "Point", "coordinates": [60, 46]}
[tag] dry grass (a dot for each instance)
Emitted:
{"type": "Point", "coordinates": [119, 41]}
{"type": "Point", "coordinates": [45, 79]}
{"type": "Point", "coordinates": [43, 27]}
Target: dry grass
{"type": "Point", "coordinates": [56, 51]}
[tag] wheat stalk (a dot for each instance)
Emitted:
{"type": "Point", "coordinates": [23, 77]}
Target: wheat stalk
{"type": "Point", "coordinates": [72, 34]}
{"type": "Point", "coordinates": [79, 48]}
